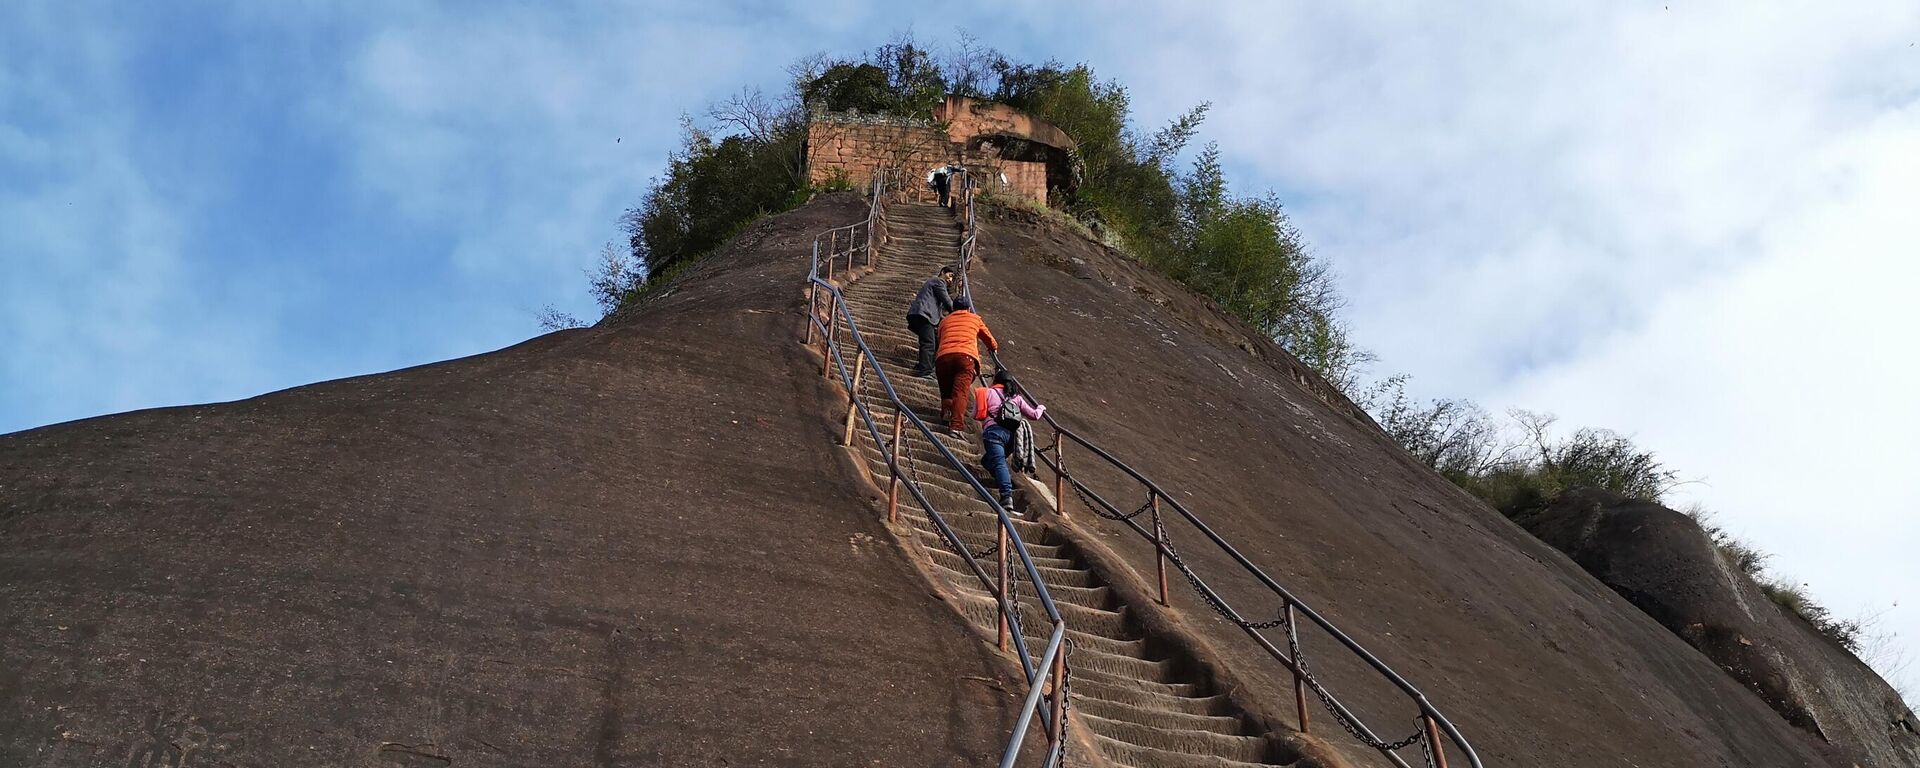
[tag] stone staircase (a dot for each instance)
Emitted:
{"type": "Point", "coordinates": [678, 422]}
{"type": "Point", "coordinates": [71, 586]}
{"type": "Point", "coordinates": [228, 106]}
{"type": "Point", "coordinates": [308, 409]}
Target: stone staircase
{"type": "Point", "coordinates": [1137, 697]}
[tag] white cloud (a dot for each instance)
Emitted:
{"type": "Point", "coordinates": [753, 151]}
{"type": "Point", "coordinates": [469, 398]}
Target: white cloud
{"type": "Point", "coordinates": [499, 125]}
{"type": "Point", "coordinates": [1787, 381]}
{"type": "Point", "coordinates": [1690, 222]}
{"type": "Point", "coordinates": [1684, 221]}
{"type": "Point", "coordinates": [100, 310]}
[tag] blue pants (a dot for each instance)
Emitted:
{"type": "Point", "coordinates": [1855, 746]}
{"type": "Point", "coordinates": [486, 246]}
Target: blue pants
{"type": "Point", "coordinates": [995, 442]}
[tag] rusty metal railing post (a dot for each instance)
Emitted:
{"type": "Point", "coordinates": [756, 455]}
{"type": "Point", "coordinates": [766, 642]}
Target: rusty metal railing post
{"type": "Point", "coordinates": [1059, 474]}
{"type": "Point", "coordinates": [853, 395]}
{"type": "Point", "coordinates": [1159, 545]}
{"type": "Point", "coordinates": [1433, 740]}
{"type": "Point", "coordinates": [833, 247]}
{"type": "Point", "coordinates": [831, 338]}
{"type": "Point", "coordinates": [1299, 674]}
{"type": "Point", "coordinates": [1059, 694]}
{"type": "Point", "coordinates": [969, 203]}
{"type": "Point", "coordinates": [813, 292]}
{"type": "Point", "coordinates": [893, 483]}
{"type": "Point", "coordinates": [813, 310]}
{"type": "Point", "coordinates": [1006, 600]}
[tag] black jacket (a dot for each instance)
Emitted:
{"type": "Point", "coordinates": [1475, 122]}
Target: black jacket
{"type": "Point", "coordinates": [932, 302]}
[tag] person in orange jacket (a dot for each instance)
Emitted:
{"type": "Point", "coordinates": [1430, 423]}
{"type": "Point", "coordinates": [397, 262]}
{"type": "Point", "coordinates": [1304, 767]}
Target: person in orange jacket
{"type": "Point", "coordinates": [958, 360]}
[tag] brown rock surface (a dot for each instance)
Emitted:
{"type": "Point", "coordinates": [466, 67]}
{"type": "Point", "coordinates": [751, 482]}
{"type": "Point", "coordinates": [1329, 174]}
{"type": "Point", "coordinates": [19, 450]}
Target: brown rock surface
{"type": "Point", "coordinates": [1537, 662]}
{"type": "Point", "coordinates": [627, 545]}
{"type": "Point", "coordinates": [633, 545]}
{"type": "Point", "coordinates": [1661, 561]}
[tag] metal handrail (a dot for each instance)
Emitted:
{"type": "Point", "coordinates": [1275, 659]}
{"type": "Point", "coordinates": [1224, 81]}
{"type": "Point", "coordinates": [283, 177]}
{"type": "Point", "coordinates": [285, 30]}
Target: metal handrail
{"type": "Point", "coordinates": [1053, 660]}
{"type": "Point", "coordinates": [1433, 723]}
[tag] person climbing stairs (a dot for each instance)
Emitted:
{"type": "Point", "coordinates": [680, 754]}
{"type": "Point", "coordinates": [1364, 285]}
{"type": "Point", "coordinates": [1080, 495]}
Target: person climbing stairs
{"type": "Point", "coordinates": [1138, 695]}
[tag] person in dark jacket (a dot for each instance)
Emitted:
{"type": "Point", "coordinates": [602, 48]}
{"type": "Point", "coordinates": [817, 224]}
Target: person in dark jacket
{"type": "Point", "coordinates": [929, 307]}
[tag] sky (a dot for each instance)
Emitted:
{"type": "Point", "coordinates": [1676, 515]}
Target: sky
{"type": "Point", "coordinates": [1693, 223]}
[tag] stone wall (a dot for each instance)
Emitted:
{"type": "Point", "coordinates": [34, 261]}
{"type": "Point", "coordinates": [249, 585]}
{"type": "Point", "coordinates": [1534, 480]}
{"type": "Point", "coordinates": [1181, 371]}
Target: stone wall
{"type": "Point", "coordinates": [1015, 178]}
{"type": "Point", "coordinates": [967, 118]}
{"type": "Point", "coordinates": [854, 147]}
{"type": "Point", "coordinates": [855, 144]}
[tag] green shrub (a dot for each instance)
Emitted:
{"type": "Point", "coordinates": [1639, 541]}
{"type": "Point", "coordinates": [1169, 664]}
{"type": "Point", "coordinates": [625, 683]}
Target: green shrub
{"type": "Point", "coordinates": [1241, 251]}
{"type": "Point", "coordinates": [1843, 632]}
{"type": "Point", "coordinates": [838, 181]}
{"type": "Point", "coordinates": [712, 186]}
{"type": "Point", "coordinates": [1520, 467]}
{"type": "Point", "coordinates": [1517, 466]}
{"type": "Point", "coordinates": [899, 78]}
{"type": "Point", "coordinates": [1744, 557]}
{"type": "Point", "coordinates": [1040, 210]}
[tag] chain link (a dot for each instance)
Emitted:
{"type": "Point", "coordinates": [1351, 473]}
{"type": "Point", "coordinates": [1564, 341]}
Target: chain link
{"type": "Point", "coordinates": [1066, 694]}
{"type": "Point", "coordinates": [1173, 555]}
{"type": "Point", "coordinates": [868, 390]}
{"type": "Point", "coordinates": [1019, 619]}
{"type": "Point", "coordinates": [869, 393]}
{"type": "Point", "coordinates": [1351, 726]}
{"type": "Point", "coordinates": [991, 549]}
{"type": "Point", "coordinates": [1100, 510]}
{"type": "Point", "coordinates": [1206, 595]}
{"type": "Point", "coordinates": [1066, 660]}
{"type": "Point", "coordinates": [1165, 542]}
{"type": "Point", "coordinates": [1293, 640]}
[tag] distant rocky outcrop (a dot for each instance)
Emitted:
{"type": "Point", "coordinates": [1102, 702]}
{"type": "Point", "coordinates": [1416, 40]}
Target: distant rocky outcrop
{"type": "Point", "coordinates": [1663, 562]}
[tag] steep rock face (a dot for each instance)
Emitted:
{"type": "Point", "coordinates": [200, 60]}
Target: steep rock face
{"type": "Point", "coordinates": [1537, 662]}
{"type": "Point", "coordinates": [633, 545]}
{"type": "Point", "coordinates": [1662, 562]}
{"type": "Point", "coordinates": [626, 545]}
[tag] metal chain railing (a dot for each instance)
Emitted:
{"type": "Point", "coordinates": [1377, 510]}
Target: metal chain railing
{"type": "Point", "coordinates": [1064, 682]}
{"type": "Point", "coordinates": [906, 452]}
{"type": "Point", "coordinates": [1122, 517]}
{"type": "Point", "coordinates": [828, 322]}
{"type": "Point", "coordinates": [1340, 715]}
{"type": "Point", "coordinates": [1206, 595]}
{"type": "Point", "coordinates": [1348, 722]}
{"type": "Point", "coordinates": [1433, 724]}
{"type": "Point", "coordinates": [957, 548]}
{"type": "Point", "coordinates": [1165, 541]}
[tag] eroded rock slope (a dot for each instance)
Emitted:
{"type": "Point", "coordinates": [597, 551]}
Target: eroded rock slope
{"type": "Point", "coordinates": [1662, 562]}
{"type": "Point", "coordinates": [1537, 661]}
{"type": "Point", "coordinates": [627, 545]}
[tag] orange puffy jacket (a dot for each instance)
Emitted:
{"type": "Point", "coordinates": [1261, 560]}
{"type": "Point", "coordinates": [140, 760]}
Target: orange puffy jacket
{"type": "Point", "coordinates": [959, 330]}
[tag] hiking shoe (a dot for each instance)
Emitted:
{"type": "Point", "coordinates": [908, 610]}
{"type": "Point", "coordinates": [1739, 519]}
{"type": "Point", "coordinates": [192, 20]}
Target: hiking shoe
{"type": "Point", "coordinates": [1006, 500]}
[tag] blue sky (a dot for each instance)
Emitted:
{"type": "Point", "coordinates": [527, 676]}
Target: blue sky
{"type": "Point", "coordinates": [1687, 221]}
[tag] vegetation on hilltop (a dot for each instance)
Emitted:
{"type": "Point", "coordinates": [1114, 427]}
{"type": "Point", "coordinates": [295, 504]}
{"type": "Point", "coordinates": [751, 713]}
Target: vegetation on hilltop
{"type": "Point", "coordinates": [1519, 466]}
{"type": "Point", "coordinates": [748, 160]}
